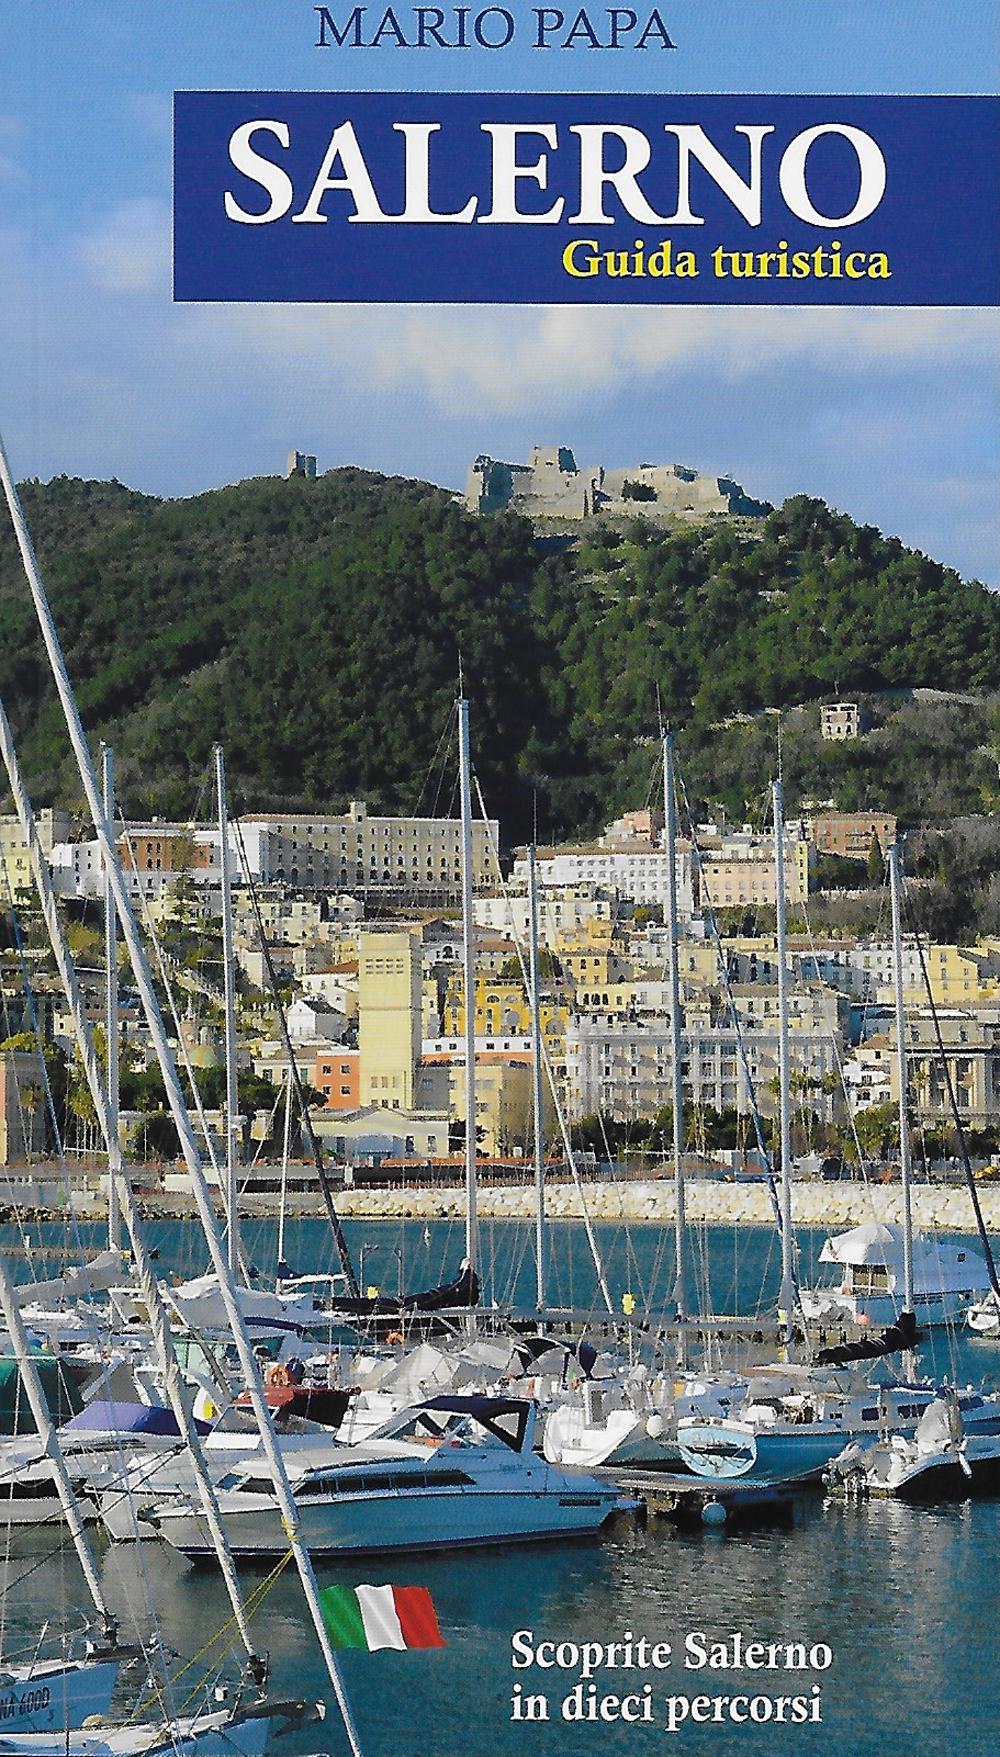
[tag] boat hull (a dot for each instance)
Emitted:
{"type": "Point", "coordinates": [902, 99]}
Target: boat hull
{"type": "Point", "coordinates": [381, 1524]}
{"type": "Point", "coordinates": [40, 1698]}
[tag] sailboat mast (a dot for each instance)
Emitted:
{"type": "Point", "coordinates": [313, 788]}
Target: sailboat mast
{"type": "Point", "coordinates": [148, 1286]}
{"type": "Point", "coordinates": [229, 979]}
{"type": "Point", "coordinates": [469, 981]}
{"type": "Point", "coordinates": [895, 891]}
{"type": "Point", "coordinates": [536, 1078]}
{"type": "Point", "coordinates": [784, 1071]}
{"type": "Point", "coordinates": [111, 1013]}
{"type": "Point", "coordinates": [175, 1097]}
{"type": "Point", "coordinates": [284, 1173]}
{"type": "Point", "coordinates": [676, 1046]}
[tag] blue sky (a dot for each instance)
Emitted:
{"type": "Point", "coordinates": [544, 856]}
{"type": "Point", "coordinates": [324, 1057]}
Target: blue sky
{"type": "Point", "coordinates": [894, 416]}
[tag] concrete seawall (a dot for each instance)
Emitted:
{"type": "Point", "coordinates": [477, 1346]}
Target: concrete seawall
{"type": "Point", "coordinates": [834, 1206]}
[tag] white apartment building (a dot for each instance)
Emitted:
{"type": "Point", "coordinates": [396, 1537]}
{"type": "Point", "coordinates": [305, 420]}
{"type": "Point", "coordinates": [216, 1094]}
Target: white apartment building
{"type": "Point", "coordinates": [641, 874]}
{"type": "Point", "coordinates": [559, 912]}
{"type": "Point", "coordinates": [624, 1067]}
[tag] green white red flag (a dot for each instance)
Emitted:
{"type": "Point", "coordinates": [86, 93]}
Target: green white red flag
{"type": "Point", "coordinates": [375, 1617]}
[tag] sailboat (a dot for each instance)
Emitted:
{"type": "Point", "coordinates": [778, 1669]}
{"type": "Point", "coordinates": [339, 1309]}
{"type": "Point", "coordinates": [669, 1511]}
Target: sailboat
{"type": "Point", "coordinates": [224, 1734]}
{"type": "Point", "coordinates": [794, 1418]}
{"type": "Point", "coordinates": [228, 1731]}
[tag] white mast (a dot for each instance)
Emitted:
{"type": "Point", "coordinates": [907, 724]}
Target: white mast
{"type": "Point", "coordinates": [537, 1071]}
{"type": "Point", "coordinates": [784, 1080]}
{"type": "Point", "coordinates": [229, 978]}
{"type": "Point", "coordinates": [284, 1172]}
{"type": "Point", "coordinates": [676, 1044]}
{"type": "Point", "coordinates": [469, 980]}
{"type": "Point", "coordinates": [143, 976]}
{"type": "Point", "coordinates": [894, 860]}
{"type": "Point", "coordinates": [111, 1014]}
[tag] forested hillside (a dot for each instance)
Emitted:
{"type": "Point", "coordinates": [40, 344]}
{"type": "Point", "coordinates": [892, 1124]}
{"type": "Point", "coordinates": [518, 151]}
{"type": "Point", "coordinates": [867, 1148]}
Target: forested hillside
{"type": "Point", "coordinates": [315, 628]}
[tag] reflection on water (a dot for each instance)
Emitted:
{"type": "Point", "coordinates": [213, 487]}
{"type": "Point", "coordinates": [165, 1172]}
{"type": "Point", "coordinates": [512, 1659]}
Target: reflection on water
{"type": "Point", "coordinates": [906, 1597]}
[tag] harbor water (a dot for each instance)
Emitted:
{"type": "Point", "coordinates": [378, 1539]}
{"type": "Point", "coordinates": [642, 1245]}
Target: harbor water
{"type": "Point", "coordinates": [903, 1598]}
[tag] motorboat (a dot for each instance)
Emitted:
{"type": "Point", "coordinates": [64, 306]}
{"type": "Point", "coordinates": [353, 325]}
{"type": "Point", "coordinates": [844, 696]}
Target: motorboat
{"type": "Point", "coordinates": [940, 1460]}
{"type": "Point", "coordinates": [794, 1420]}
{"type": "Point", "coordinates": [983, 1317]}
{"type": "Point", "coordinates": [93, 1443]}
{"type": "Point", "coordinates": [867, 1285]}
{"type": "Point", "coordinates": [450, 1472]}
{"type": "Point", "coordinates": [129, 1492]}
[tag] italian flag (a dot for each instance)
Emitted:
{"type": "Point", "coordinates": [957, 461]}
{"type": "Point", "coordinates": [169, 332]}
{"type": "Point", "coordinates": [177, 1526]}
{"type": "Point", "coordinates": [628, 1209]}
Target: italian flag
{"type": "Point", "coordinates": [372, 1617]}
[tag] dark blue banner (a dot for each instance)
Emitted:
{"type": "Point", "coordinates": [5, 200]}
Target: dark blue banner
{"type": "Point", "coordinates": [542, 198]}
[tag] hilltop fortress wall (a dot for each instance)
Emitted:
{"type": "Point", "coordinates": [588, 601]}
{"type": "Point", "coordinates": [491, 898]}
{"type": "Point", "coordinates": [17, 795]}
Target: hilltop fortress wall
{"type": "Point", "coordinates": [551, 485]}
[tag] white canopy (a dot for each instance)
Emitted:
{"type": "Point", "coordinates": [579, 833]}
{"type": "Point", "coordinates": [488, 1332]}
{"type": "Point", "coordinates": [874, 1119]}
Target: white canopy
{"type": "Point", "coordinates": [87, 1278]}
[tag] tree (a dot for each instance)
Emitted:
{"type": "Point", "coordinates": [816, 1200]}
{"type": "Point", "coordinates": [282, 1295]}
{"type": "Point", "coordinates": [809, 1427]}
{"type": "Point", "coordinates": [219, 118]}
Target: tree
{"type": "Point", "coordinates": [875, 866]}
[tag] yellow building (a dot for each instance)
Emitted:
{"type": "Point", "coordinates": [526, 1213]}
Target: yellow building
{"type": "Point", "coordinates": [502, 1010]}
{"type": "Point", "coordinates": [361, 852]}
{"type": "Point", "coordinates": [503, 1096]}
{"type": "Point", "coordinates": [595, 967]}
{"type": "Point", "coordinates": [741, 871]}
{"type": "Point", "coordinates": [645, 995]}
{"type": "Point", "coordinates": [15, 867]}
{"type": "Point", "coordinates": [389, 1018]}
{"type": "Point", "coordinates": [959, 976]}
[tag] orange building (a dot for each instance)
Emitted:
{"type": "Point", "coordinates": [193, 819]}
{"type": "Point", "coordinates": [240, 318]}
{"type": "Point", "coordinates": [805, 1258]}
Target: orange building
{"type": "Point", "coordinates": [150, 849]}
{"type": "Point", "coordinates": [850, 833]}
{"type": "Point", "coordinates": [337, 1074]}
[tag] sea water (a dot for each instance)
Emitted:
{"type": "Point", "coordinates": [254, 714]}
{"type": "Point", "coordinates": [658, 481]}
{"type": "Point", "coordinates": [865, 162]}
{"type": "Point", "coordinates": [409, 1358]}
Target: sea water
{"type": "Point", "coordinates": [904, 1598]}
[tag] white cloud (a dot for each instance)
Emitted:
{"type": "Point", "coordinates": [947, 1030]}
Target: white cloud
{"type": "Point", "coordinates": [511, 358]}
{"type": "Point", "coordinates": [129, 251]}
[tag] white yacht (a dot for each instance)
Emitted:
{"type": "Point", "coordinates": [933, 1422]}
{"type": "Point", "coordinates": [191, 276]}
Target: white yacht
{"type": "Point", "coordinates": [450, 1472]}
{"type": "Point", "coordinates": [867, 1283]}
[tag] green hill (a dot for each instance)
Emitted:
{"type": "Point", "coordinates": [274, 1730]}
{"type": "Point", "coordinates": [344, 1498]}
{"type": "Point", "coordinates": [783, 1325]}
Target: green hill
{"type": "Point", "coordinates": [315, 628]}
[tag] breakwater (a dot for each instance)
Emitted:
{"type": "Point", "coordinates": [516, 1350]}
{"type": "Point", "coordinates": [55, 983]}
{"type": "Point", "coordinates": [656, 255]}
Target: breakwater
{"type": "Point", "coordinates": [936, 1207]}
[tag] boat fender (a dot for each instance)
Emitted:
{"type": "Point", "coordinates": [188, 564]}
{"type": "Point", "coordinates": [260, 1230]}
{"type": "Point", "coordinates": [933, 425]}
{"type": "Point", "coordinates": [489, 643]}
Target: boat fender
{"type": "Point", "coordinates": [394, 1337]}
{"type": "Point", "coordinates": [654, 1426]}
{"type": "Point", "coordinates": [713, 1513]}
{"type": "Point", "coordinates": [204, 1409]}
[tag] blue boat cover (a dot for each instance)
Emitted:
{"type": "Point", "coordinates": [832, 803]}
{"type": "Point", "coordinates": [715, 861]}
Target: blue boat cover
{"type": "Point", "coordinates": [105, 1417]}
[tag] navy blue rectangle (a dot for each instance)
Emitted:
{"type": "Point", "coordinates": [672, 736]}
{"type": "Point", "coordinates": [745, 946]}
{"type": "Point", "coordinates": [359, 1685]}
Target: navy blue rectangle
{"type": "Point", "coordinates": [937, 225]}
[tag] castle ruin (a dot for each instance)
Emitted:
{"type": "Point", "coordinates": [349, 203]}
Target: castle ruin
{"type": "Point", "coordinates": [551, 485]}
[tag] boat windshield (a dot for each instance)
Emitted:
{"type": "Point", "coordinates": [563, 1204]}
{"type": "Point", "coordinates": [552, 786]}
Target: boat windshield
{"type": "Point", "coordinates": [462, 1421]}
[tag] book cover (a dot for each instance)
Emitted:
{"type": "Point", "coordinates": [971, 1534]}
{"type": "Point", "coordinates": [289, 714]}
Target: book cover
{"type": "Point", "coordinates": [650, 287]}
